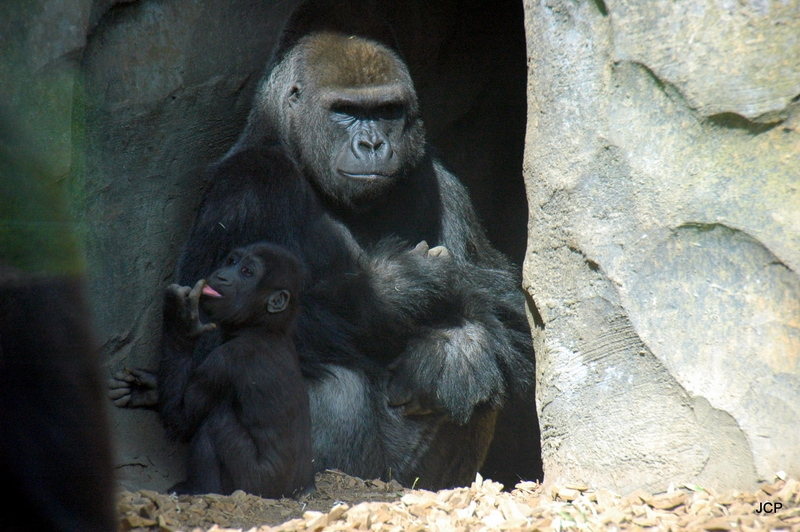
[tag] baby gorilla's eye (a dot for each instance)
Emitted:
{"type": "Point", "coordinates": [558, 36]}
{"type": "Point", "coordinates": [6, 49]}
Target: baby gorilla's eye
{"type": "Point", "coordinates": [232, 261]}
{"type": "Point", "coordinates": [247, 272]}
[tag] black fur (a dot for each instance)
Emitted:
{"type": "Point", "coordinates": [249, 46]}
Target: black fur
{"type": "Point", "coordinates": [412, 332]}
{"type": "Point", "coordinates": [243, 408]}
{"type": "Point", "coordinates": [55, 455]}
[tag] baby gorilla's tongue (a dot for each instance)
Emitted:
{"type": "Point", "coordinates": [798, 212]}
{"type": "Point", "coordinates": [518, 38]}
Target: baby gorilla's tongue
{"type": "Point", "coordinates": [208, 291]}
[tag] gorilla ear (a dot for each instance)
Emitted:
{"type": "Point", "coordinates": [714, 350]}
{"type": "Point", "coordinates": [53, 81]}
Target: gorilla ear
{"type": "Point", "coordinates": [278, 301]}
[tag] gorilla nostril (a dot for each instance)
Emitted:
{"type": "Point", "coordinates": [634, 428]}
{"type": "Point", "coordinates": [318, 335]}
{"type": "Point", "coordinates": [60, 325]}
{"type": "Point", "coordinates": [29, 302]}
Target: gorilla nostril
{"type": "Point", "coordinates": [368, 143]}
{"type": "Point", "coordinates": [372, 148]}
{"type": "Point", "coordinates": [375, 147]}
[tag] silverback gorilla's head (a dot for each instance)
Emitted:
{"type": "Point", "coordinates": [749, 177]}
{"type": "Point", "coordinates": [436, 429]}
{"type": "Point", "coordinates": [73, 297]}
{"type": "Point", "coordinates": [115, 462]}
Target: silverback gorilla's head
{"type": "Point", "coordinates": [346, 109]}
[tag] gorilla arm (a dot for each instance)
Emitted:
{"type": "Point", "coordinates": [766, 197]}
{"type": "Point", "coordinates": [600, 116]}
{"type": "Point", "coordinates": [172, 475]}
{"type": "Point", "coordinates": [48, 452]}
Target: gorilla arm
{"type": "Point", "coordinates": [483, 351]}
{"type": "Point", "coordinates": [137, 387]}
{"type": "Point", "coordinates": [205, 384]}
{"type": "Point", "coordinates": [182, 327]}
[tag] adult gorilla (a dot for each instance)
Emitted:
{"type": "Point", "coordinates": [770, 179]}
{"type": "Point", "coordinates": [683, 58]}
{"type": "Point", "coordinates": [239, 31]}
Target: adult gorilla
{"type": "Point", "coordinates": [409, 350]}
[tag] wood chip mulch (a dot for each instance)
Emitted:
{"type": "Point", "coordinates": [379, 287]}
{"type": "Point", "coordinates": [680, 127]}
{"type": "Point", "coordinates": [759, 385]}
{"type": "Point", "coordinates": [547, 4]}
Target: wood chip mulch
{"type": "Point", "coordinates": [484, 506]}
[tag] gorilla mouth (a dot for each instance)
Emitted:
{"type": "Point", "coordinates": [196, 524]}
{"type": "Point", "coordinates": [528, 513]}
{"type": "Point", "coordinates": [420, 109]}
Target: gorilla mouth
{"type": "Point", "coordinates": [363, 176]}
{"type": "Point", "coordinates": [208, 291]}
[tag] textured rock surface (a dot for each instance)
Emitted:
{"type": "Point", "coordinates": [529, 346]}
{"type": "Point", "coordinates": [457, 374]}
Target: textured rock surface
{"type": "Point", "coordinates": [663, 174]}
{"type": "Point", "coordinates": [125, 102]}
{"type": "Point", "coordinates": [166, 89]}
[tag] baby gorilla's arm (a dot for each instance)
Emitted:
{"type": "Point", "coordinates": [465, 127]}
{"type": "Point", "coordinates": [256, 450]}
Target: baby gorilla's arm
{"type": "Point", "coordinates": [137, 387]}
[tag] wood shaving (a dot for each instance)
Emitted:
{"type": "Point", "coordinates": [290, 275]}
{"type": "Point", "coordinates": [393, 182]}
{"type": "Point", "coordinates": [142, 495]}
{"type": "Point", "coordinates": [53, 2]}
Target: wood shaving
{"type": "Point", "coordinates": [483, 506]}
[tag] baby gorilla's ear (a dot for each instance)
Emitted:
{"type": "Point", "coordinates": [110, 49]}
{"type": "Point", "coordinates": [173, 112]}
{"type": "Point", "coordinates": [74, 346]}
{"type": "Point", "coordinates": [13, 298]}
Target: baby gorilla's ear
{"type": "Point", "coordinates": [278, 301]}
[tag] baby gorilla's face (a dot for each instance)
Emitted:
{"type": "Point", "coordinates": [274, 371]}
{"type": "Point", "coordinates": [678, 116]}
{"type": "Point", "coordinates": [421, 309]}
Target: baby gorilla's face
{"type": "Point", "coordinates": [253, 286]}
{"type": "Point", "coordinates": [232, 295]}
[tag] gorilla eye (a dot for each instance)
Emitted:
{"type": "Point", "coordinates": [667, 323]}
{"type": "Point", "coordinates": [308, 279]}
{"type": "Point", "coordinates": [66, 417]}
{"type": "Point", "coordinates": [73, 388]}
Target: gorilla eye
{"type": "Point", "coordinates": [351, 111]}
{"type": "Point", "coordinates": [232, 261]}
{"type": "Point", "coordinates": [392, 111]}
{"type": "Point", "coordinates": [247, 272]}
{"type": "Point", "coordinates": [346, 114]}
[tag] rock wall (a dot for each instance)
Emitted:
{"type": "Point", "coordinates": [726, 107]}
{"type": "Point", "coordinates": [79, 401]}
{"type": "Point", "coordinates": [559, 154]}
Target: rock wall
{"type": "Point", "coordinates": [663, 173]}
{"type": "Point", "coordinates": [165, 90]}
{"type": "Point", "coordinates": [126, 102]}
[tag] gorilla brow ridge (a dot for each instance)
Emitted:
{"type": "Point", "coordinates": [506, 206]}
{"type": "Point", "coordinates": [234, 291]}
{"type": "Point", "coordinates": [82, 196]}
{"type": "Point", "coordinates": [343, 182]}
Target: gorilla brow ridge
{"type": "Point", "coordinates": [342, 62]}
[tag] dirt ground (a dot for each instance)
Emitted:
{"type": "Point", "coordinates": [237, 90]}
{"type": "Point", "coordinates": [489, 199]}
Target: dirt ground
{"type": "Point", "coordinates": [342, 502]}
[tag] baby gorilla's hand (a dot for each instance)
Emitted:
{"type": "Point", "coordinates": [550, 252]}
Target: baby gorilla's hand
{"type": "Point", "coordinates": [133, 388]}
{"type": "Point", "coordinates": [182, 309]}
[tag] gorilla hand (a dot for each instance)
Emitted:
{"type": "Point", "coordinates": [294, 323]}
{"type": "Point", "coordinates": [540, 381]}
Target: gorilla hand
{"type": "Point", "coordinates": [133, 388]}
{"type": "Point", "coordinates": [462, 374]}
{"type": "Point", "coordinates": [423, 250]}
{"type": "Point", "coordinates": [407, 284]}
{"type": "Point", "coordinates": [182, 309]}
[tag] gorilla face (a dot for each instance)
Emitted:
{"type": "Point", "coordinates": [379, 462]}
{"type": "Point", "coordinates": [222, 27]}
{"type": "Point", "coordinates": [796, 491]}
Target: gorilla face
{"type": "Point", "coordinates": [354, 126]}
{"type": "Point", "coordinates": [253, 284]}
{"type": "Point", "coordinates": [367, 137]}
{"type": "Point", "coordinates": [231, 295]}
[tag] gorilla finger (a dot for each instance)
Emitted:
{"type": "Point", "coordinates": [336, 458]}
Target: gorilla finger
{"type": "Point", "coordinates": [202, 328]}
{"type": "Point", "coordinates": [197, 290]}
{"type": "Point", "coordinates": [117, 393]}
{"type": "Point", "coordinates": [143, 377]}
{"type": "Point", "coordinates": [421, 248]}
{"type": "Point", "coordinates": [116, 384]}
{"type": "Point", "coordinates": [123, 401]}
{"type": "Point", "coordinates": [175, 290]}
{"type": "Point", "coordinates": [175, 296]}
{"type": "Point", "coordinates": [143, 399]}
{"type": "Point", "coordinates": [439, 251]}
{"type": "Point", "coordinates": [122, 375]}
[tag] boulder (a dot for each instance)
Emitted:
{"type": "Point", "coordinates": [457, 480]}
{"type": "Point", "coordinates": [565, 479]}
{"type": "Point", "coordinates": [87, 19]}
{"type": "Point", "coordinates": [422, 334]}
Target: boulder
{"type": "Point", "coordinates": [662, 167]}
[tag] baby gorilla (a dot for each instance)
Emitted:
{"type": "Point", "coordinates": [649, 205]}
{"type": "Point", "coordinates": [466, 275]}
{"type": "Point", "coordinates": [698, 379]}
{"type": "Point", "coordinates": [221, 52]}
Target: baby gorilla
{"type": "Point", "coordinates": [245, 409]}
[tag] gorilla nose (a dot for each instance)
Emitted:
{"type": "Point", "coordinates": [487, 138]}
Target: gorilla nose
{"type": "Point", "coordinates": [370, 144]}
